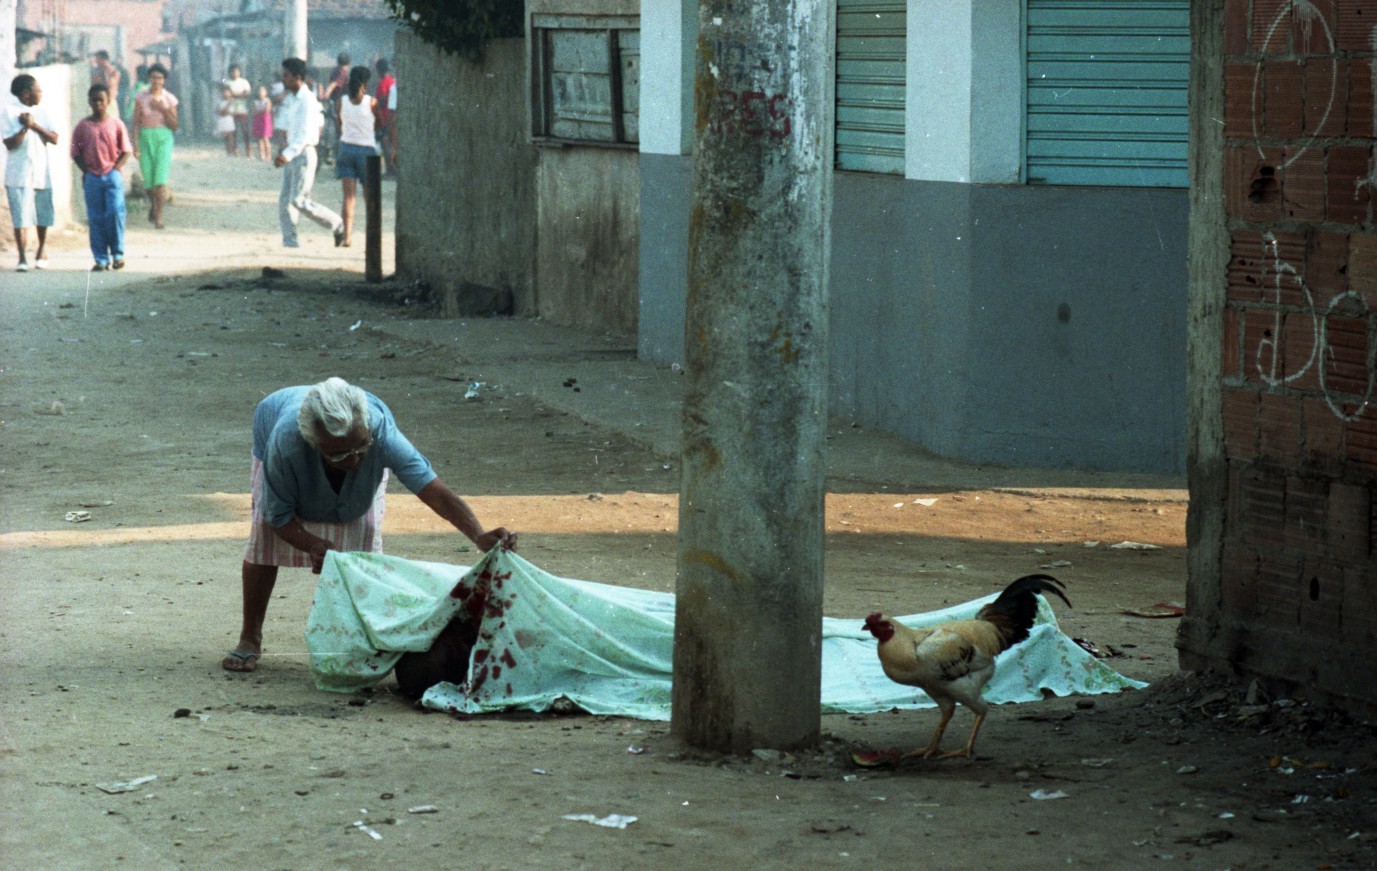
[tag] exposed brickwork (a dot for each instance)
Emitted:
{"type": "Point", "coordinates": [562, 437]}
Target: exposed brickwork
{"type": "Point", "coordinates": [1299, 344]}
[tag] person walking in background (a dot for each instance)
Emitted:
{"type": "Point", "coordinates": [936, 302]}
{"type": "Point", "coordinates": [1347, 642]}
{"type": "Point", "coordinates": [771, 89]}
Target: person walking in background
{"type": "Point", "coordinates": [301, 118]}
{"type": "Point", "coordinates": [29, 137]}
{"type": "Point", "coordinates": [330, 97]}
{"type": "Point", "coordinates": [140, 85]}
{"type": "Point", "coordinates": [263, 124]}
{"type": "Point", "coordinates": [240, 93]}
{"type": "Point", "coordinates": [104, 72]}
{"type": "Point", "coordinates": [384, 94]}
{"type": "Point", "coordinates": [358, 120]}
{"type": "Point", "coordinates": [100, 148]}
{"type": "Point", "coordinates": [155, 123]}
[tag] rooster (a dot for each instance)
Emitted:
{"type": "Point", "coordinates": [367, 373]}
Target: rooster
{"type": "Point", "coordinates": [953, 661]}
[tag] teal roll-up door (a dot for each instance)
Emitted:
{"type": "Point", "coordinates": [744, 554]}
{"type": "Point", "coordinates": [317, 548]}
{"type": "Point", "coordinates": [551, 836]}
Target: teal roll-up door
{"type": "Point", "coordinates": [870, 85]}
{"type": "Point", "coordinates": [1107, 87]}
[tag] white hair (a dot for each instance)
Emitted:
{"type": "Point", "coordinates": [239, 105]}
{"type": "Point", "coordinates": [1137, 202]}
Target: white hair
{"type": "Point", "coordinates": [334, 407]}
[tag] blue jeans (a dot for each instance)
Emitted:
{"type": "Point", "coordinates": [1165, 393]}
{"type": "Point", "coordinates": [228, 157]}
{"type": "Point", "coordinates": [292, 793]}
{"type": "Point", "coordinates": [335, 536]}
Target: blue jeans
{"type": "Point", "coordinates": [105, 214]}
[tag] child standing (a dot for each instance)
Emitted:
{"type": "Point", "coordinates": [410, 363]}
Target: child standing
{"type": "Point", "coordinates": [263, 124]}
{"type": "Point", "coordinates": [100, 148]}
{"type": "Point", "coordinates": [224, 122]}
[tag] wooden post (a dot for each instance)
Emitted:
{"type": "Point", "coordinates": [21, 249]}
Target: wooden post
{"type": "Point", "coordinates": [372, 205]}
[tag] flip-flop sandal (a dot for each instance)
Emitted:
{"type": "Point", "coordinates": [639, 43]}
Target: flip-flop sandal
{"type": "Point", "coordinates": [245, 659]}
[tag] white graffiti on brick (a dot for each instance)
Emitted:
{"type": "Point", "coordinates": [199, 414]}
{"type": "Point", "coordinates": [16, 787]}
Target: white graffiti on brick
{"type": "Point", "coordinates": [1307, 15]}
{"type": "Point", "coordinates": [1350, 304]}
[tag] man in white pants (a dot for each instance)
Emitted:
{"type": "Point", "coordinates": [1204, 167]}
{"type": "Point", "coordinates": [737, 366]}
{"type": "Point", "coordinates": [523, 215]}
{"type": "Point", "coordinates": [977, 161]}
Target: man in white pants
{"type": "Point", "coordinates": [301, 117]}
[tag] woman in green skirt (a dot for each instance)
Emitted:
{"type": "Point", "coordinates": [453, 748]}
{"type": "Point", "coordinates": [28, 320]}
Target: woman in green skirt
{"type": "Point", "coordinates": [155, 122]}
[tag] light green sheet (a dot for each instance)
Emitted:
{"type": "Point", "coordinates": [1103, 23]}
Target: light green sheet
{"type": "Point", "coordinates": [606, 648]}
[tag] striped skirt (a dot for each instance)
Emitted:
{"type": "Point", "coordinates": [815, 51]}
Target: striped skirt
{"type": "Point", "coordinates": [266, 549]}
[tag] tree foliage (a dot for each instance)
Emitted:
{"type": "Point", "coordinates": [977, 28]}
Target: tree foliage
{"type": "Point", "coordinates": [462, 27]}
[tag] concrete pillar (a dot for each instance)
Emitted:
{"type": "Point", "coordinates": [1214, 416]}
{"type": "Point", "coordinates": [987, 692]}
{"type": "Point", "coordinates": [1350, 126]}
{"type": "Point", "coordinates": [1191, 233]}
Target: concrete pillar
{"type": "Point", "coordinates": [298, 44]}
{"type": "Point", "coordinates": [747, 645]}
{"type": "Point", "coordinates": [1208, 261]}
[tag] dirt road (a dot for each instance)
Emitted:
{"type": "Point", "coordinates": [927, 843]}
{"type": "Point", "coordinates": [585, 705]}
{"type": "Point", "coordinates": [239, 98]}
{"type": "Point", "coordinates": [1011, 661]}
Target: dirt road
{"type": "Point", "coordinates": [127, 395]}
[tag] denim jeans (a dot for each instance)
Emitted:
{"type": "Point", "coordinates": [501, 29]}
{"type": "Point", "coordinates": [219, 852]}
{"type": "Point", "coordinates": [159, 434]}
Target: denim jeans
{"type": "Point", "coordinates": [105, 214]}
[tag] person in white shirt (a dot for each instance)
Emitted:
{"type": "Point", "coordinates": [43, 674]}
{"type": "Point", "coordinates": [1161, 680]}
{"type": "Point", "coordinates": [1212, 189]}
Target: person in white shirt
{"type": "Point", "coordinates": [301, 118]}
{"type": "Point", "coordinates": [240, 91]}
{"type": "Point", "coordinates": [358, 113]}
{"type": "Point", "coordinates": [29, 136]}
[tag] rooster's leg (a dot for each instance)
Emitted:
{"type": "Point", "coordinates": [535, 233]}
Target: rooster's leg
{"type": "Point", "coordinates": [948, 708]}
{"type": "Point", "coordinates": [969, 750]}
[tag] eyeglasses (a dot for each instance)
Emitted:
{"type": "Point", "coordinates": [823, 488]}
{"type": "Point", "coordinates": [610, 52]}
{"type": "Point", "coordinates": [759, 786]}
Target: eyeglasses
{"type": "Point", "coordinates": [345, 456]}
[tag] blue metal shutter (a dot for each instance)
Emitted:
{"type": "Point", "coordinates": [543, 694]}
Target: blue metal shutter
{"type": "Point", "coordinates": [1107, 85]}
{"type": "Point", "coordinates": [871, 55]}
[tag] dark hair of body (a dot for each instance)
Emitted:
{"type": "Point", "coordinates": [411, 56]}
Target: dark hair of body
{"type": "Point", "coordinates": [22, 83]}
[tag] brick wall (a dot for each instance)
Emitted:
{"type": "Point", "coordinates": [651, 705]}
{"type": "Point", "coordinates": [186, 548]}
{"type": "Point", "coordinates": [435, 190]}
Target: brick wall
{"type": "Point", "coordinates": [1298, 579]}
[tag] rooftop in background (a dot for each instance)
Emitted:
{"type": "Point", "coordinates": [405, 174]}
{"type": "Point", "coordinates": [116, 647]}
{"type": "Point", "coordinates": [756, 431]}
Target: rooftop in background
{"type": "Point", "coordinates": [186, 13]}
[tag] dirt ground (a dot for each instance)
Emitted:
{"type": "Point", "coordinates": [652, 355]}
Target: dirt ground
{"type": "Point", "coordinates": [128, 395]}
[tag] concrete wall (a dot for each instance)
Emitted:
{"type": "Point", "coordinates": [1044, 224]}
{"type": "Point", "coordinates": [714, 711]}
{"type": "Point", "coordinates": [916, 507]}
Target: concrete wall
{"type": "Point", "coordinates": [1032, 326]}
{"type": "Point", "coordinates": [1283, 529]}
{"type": "Point", "coordinates": [466, 204]}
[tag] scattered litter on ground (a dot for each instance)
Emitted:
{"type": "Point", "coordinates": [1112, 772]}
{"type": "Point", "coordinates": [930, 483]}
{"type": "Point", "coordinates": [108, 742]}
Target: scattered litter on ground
{"type": "Point", "coordinates": [355, 325]}
{"type": "Point", "coordinates": [1134, 545]}
{"type": "Point", "coordinates": [1158, 611]}
{"type": "Point", "coordinates": [1047, 795]}
{"type": "Point", "coordinates": [367, 830]}
{"type": "Point", "coordinates": [926, 503]}
{"type": "Point", "coordinates": [611, 821]}
{"type": "Point", "coordinates": [423, 809]}
{"type": "Point", "coordinates": [119, 786]}
{"type": "Point", "coordinates": [472, 392]}
{"type": "Point", "coordinates": [78, 516]}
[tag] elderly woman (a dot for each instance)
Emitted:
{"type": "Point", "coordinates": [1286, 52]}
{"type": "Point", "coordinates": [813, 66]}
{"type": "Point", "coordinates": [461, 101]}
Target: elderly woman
{"type": "Point", "coordinates": [321, 458]}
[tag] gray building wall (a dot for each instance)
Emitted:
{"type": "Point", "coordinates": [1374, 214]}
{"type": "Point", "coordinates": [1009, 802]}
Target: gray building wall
{"type": "Point", "coordinates": [466, 199]}
{"type": "Point", "coordinates": [1017, 325]}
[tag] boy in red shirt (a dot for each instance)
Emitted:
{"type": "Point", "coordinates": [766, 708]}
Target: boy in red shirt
{"type": "Point", "coordinates": [100, 148]}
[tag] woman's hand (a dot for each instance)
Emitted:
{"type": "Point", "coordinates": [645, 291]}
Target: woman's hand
{"type": "Point", "coordinates": [317, 552]}
{"type": "Point", "coordinates": [493, 537]}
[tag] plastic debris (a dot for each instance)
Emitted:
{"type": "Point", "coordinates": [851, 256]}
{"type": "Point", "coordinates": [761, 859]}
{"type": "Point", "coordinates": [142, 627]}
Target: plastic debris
{"type": "Point", "coordinates": [1133, 545]}
{"type": "Point", "coordinates": [119, 786]}
{"type": "Point", "coordinates": [367, 830]}
{"type": "Point", "coordinates": [611, 821]}
{"type": "Point", "coordinates": [78, 516]}
{"type": "Point", "coordinates": [1158, 611]}
{"type": "Point", "coordinates": [423, 809]}
{"type": "Point", "coordinates": [926, 503]}
{"type": "Point", "coordinates": [1047, 795]}
{"type": "Point", "coordinates": [355, 325]}
{"type": "Point", "coordinates": [472, 392]}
